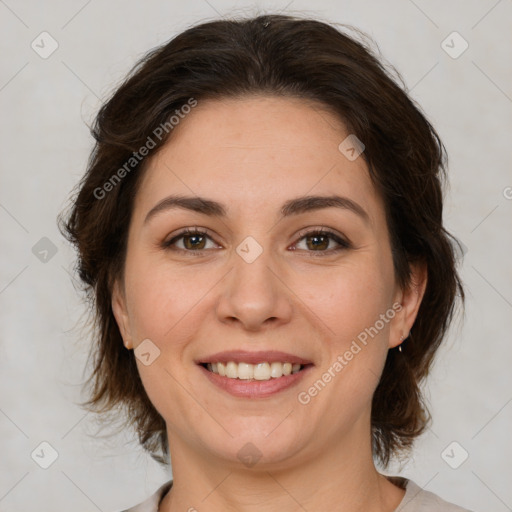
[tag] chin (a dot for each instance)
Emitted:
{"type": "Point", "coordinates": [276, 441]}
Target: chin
{"type": "Point", "coordinates": [264, 445]}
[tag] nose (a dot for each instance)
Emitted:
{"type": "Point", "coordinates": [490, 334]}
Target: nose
{"type": "Point", "coordinates": [255, 294]}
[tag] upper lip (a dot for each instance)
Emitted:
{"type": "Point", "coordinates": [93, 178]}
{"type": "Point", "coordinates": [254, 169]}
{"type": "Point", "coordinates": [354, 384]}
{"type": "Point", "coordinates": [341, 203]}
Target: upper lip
{"type": "Point", "coordinates": [243, 356]}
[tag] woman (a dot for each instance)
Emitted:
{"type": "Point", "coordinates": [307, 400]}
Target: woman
{"type": "Point", "coordinates": [260, 228]}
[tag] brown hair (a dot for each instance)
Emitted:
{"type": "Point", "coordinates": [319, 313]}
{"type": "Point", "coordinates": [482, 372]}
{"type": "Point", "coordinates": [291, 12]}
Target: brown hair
{"type": "Point", "coordinates": [289, 57]}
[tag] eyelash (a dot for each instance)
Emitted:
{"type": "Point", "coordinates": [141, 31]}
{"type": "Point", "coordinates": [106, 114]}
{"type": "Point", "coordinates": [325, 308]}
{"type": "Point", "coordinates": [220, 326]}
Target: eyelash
{"type": "Point", "coordinates": [343, 244]}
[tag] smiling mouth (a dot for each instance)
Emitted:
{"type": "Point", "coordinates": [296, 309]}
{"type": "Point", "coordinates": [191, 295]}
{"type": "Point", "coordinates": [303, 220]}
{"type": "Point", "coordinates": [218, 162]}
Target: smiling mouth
{"type": "Point", "coordinates": [250, 372]}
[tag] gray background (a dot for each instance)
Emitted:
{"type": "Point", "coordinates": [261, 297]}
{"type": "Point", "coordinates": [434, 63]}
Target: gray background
{"type": "Point", "coordinates": [46, 104]}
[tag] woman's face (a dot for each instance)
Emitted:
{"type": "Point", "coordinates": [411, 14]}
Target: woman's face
{"type": "Point", "coordinates": [262, 279]}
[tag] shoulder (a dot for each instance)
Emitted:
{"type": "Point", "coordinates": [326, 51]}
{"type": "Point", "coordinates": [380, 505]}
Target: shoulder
{"type": "Point", "coordinates": [151, 504]}
{"type": "Point", "coordinates": [417, 499]}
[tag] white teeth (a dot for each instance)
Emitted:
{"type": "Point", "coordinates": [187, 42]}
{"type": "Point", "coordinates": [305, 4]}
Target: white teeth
{"type": "Point", "coordinates": [260, 371]}
{"type": "Point", "coordinates": [276, 370]}
{"type": "Point", "coordinates": [232, 370]}
{"type": "Point", "coordinates": [245, 371]}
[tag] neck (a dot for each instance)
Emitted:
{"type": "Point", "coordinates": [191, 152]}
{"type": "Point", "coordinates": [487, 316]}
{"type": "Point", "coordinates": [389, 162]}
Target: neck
{"type": "Point", "coordinates": [343, 478]}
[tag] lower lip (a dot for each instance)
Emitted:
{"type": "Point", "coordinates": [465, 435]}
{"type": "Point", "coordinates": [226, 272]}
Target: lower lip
{"type": "Point", "coordinates": [255, 388]}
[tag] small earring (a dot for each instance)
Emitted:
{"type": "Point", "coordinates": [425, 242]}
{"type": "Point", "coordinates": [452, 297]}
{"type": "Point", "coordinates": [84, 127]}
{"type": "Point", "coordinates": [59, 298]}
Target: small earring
{"type": "Point", "coordinates": [402, 340]}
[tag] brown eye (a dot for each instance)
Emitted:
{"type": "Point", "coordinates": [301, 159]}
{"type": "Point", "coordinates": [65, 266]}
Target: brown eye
{"type": "Point", "coordinates": [318, 241]}
{"type": "Point", "coordinates": [321, 241]}
{"type": "Point", "coordinates": [191, 240]}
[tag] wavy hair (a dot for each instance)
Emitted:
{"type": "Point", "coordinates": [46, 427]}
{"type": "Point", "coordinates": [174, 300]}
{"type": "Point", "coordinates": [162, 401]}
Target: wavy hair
{"type": "Point", "coordinates": [282, 56]}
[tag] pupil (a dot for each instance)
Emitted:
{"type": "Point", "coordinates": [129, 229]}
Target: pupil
{"type": "Point", "coordinates": [317, 244]}
{"type": "Point", "coordinates": [194, 245]}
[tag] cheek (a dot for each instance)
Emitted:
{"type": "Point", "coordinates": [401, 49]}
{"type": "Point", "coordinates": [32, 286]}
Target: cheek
{"type": "Point", "coordinates": [345, 298]}
{"type": "Point", "coordinates": [162, 298]}
{"type": "Point", "coordinates": [164, 306]}
{"type": "Point", "coordinates": [354, 309]}
{"type": "Point", "coordinates": [348, 298]}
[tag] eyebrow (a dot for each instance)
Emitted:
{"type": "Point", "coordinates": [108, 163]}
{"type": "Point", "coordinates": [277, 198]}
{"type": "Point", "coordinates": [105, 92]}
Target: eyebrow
{"type": "Point", "coordinates": [291, 207]}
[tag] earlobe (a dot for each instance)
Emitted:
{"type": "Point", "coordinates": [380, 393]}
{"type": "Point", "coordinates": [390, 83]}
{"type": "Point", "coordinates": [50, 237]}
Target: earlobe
{"type": "Point", "coordinates": [410, 300]}
{"type": "Point", "coordinates": [120, 313]}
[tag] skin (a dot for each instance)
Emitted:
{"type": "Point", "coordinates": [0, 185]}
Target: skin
{"type": "Point", "coordinates": [252, 154]}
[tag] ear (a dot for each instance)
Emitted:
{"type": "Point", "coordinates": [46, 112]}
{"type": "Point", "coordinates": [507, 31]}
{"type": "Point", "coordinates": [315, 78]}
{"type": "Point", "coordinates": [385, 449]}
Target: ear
{"type": "Point", "coordinates": [121, 314]}
{"type": "Point", "coordinates": [410, 301]}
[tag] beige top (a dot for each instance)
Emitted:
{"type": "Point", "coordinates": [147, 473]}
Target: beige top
{"type": "Point", "coordinates": [414, 500]}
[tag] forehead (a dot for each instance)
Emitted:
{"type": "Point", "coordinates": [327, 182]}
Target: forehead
{"type": "Point", "coordinates": [253, 152]}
